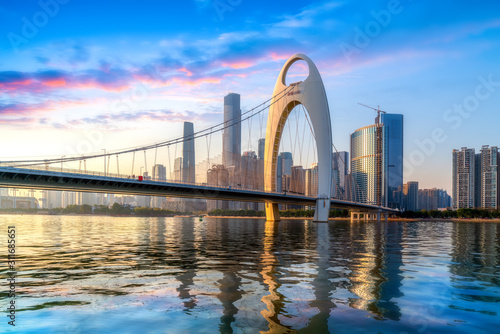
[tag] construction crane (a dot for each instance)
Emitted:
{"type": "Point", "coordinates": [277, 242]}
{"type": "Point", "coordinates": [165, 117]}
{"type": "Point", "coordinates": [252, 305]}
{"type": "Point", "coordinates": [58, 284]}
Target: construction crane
{"type": "Point", "coordinates": [377, 110]}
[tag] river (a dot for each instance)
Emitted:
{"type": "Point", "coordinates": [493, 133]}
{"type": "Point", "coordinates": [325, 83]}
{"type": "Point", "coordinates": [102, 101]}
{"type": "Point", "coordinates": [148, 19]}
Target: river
{"type": "Point", "coordinates": [89, 274]}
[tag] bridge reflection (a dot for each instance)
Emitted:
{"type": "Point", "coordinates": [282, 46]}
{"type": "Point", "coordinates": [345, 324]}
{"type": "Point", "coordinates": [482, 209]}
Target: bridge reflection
{"type": "Point", "coordinates": [253, 275]}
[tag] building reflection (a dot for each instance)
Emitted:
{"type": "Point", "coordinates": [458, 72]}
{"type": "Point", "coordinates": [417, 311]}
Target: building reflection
{"type": "Point", "coordinates": [321, 284]}
{"type": "Point", "coordinates": [375, 270]}
{"type": "Point", "coordinates": [188, 263]}
{"type": "Point", "coordinates": [474, 258]}
{"type": "Point", "coordinates": [274, 301]}
{"type": "Point", "coordinates": [229, 284]}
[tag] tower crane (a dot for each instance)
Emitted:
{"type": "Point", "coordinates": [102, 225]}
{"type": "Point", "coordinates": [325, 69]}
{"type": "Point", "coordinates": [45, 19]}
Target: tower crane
{"type": "Point", "coordinates": [376, 109]}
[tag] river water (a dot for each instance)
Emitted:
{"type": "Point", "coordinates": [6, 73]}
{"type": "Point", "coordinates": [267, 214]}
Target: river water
{"type": "Point", "coordinates": [87, 274]}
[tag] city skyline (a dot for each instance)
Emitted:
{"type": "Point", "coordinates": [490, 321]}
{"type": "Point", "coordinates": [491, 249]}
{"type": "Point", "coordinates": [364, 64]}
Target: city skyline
{"type": "Point", "coordinates": [137, 82]}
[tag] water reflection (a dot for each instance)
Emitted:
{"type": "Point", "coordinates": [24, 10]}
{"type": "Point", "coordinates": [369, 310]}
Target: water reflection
{"type": "Point", "coordinates": [474, 266]}
{"type": "Point", "coordinates": [180, 275]}
{"type": "Point", "coordinates": [188, 265]}
{"type": "Point", "coordinates": [274, 301]}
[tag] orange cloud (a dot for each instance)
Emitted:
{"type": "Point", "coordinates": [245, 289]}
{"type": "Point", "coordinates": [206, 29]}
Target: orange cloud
{"type": "Point", "coordinates": [185, 70]}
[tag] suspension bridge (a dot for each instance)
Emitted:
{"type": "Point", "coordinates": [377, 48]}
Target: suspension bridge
{"type": "Point", "coordinates": [307, 96]}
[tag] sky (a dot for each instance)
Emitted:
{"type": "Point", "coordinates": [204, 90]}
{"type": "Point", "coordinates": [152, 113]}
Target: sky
{"type": "Point", "coordinates": [81, 76]}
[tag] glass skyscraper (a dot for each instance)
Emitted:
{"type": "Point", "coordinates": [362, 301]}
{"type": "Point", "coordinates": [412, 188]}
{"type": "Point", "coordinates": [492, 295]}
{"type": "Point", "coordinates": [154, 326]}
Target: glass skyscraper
{"type": "Point", "coordinates": [369, 165]}
{"type": "Point", "coordinates": [377, 162]}
{"type": "Point", "coordinates": [231, 136]}
{"type": "Point", "coordinates": [393, 124]}
{"type": "Point", "coordinates": [188, 162]}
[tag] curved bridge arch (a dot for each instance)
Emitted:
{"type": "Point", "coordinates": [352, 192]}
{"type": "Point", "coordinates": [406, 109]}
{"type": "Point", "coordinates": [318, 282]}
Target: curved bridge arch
{"type": "Point", "coordinates": [310, 93]}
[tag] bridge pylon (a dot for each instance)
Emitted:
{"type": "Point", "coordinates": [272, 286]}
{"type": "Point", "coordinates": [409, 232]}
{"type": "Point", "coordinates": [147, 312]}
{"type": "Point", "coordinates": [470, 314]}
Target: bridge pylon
{"type": "Point", "coordinates": [311, 94]}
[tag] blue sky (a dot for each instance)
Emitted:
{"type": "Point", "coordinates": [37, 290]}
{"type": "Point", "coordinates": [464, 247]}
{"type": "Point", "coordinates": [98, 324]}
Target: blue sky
{"type": "Point", "coordinates": [134, 71]}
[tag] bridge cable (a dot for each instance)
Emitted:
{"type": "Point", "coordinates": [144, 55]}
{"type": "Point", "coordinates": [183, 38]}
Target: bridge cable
{"type": "Point", "coordinates": [171, 141]}
{"type": "Point", "coordinates": [133, 161]}
{"type": "Point", "coordinates": [117, 165]}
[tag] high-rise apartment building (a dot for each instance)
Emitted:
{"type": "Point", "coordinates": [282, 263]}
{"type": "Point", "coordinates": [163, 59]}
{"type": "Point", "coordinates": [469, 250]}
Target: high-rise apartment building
{"type": "Point", "coordinates": [464, 178]}
{"type": "Point", "coordinates": [489, 181]}
{"type": "Point", "coordinates": [231, 137]}
{"type": "Point", "coordinates": [188, 159]}
{"type": "Point", "coordinates": [410, 196]}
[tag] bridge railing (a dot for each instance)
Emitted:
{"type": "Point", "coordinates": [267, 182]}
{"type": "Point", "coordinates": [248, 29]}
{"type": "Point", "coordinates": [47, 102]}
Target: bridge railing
{"type": "Point", "coordinates": [42, 167]}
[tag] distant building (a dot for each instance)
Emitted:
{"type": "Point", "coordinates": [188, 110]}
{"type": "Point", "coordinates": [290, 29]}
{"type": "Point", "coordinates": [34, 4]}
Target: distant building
{"type": "Point", "coordinates": [284, 169]}
{"type": "Point", "coordinates": [231, 137]}
{"type": "Point", "coordinates": [188, 157]}
{"type": "Point", "coordinates": [252, 177]}
{"type": "Point", "coordinates": [218, 175]}
{"type": "Point", "coordinates": [489, 181]}
{"type": "Point", "coordinates": [297, 182]}
{"type": "Point", "coordinates": [464, 178]}
{"type": "Point", "coordinates": [262, 148]}
{"type": "Point", "coordinates": [340, 165]}
{"type": "Point", "coordinates": [159, 174]}
{"type": "Point", "coordinates": [311, 180]}
{"type": "Point", "coordinates": [433, 199]}
{"type": "Point", "coordinates": [177, 174]}
{"type": "Point", "coordinates": [410, 196]}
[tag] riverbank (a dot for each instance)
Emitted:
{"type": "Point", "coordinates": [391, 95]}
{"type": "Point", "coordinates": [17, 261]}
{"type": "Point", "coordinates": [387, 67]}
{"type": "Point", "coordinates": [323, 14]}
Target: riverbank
{"type": "Point", "coordinates": [470, 220]}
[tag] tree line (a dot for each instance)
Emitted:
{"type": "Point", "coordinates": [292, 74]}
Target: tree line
{"type": "Point", "coordinates": [284, 213]}
{"type": "Point", "coordinates": [116, 209]}
{"type": "Point", "coordinates": [460, 213]}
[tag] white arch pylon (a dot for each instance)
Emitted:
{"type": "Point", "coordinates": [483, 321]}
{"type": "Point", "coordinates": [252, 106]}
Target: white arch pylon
{"type": "Point", "coordinates": [310, 93]}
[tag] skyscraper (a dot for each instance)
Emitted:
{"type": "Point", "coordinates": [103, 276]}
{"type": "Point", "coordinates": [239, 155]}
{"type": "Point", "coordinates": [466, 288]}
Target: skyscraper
{"type": "Point", "coordinates": [340, 165]}
{"type": "Point", "coordinates": [410, 196]}
{"type": "Point", "coordinates": [159, 174]}
{"type": "Point", "coordinates": [377, 162]}
{"type": "Point", "coordinates": [369, 165]}
{"type": "Point", "coordinates": [464, 178]}
{"type": "Point", "coordinates": [188, 162]}
{"type": "Point", "coordinates": [177, 174]}
{"type": "Point", "coordinates": [311, 180]}
{"type": "Point", "coordinates": [489, 181]}
{"type": "Point", "coordinates": [262, 147]}
{"type": "Point", "coordinates": [284, 169]}
{"type": "Point", "coordinates": [231, 137]}
{"type": "Point", "coordinates": [393, 124]}
{"type": "Point", "coordinates": [297, 180]}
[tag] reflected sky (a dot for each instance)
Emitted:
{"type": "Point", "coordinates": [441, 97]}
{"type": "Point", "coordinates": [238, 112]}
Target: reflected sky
{"type": "Point", "coordinates": [182, 275]}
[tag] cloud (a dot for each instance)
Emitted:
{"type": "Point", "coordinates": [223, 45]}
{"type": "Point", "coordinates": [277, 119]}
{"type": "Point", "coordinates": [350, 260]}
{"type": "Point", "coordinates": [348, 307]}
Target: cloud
{"type": "Point", "coordinates": [154, 115]}
{"type": "Point", "coordinates": [34, 109]}
{"type": "Point", "coordinates": [47, 80]}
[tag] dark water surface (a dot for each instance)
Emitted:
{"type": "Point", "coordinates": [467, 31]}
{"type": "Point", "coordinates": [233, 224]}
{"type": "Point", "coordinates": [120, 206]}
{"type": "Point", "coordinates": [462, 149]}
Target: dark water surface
{"type": "Point", "coordinates": [181, 275]}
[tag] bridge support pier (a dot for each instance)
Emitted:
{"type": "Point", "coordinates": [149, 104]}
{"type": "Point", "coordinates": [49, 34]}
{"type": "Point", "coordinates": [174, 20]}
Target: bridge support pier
{"type": "Point", "coordinates": [272, 212]}
{"type": "Point", "coordinates": [368, 216]}
{"type": "Point", "coordinates": [322, 211]}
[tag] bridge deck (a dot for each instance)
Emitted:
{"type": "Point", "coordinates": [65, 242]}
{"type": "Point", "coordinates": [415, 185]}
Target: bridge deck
{"type": "Point", "coordinates": [52, 180]}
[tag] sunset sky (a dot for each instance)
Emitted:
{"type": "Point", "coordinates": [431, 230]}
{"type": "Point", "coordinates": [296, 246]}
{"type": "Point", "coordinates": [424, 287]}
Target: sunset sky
{"type": "Point", "coordinates": [119, 74]}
